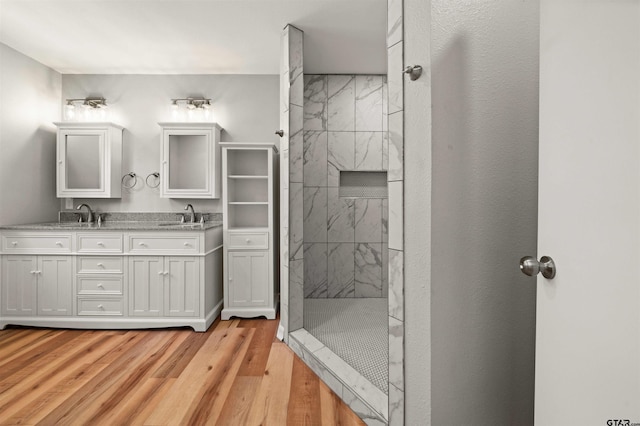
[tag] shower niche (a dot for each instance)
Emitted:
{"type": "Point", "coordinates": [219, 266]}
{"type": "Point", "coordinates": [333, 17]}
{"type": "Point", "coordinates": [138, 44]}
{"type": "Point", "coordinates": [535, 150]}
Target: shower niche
{"type": "Point", "coordinates": [361, 184]}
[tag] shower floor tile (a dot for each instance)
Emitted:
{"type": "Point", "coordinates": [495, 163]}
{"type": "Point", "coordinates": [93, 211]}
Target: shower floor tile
{"type": "Point", "coordinates": [357, 330]}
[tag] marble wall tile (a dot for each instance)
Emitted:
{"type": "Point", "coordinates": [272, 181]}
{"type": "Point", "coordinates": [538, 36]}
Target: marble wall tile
{"type": "Point", "coordinates": [369, 103]}
{"type": "Point", "coordinates": [341, 270]}
{"type": "Point", "coordinates": [396, 353]}
{"type": "Point", "coordinates": [396, 406]}
{"type": "Point", "coordinates": [296, 54]}
{"type": "Point", "coordinates": [368, 270]}
{"type": "Point", "coordinates": [385, 220]}
{"type": "Point", "coordinates": [368, 151]}
{"type": "Point", "coordinates": [385, 150]}
{"type": "Point", "coordinates": [315, 270]}
{"type": "Point", "coordinates": [296, 224]}
{"type": "Point", "coordinates": [315, 158]}
{"type": "Point", "coordinates": [396, 284]}
{"type": "Point", "coordinates": [341, 155]}
{"type": "Point", "coordinates": [385, 103]}
{"type": "Point", "coordinates": [296, 294]}
{"type": "Point", "coordinates": [284, 169]}
{"type": "Point", "coordinates": [284, 51]}
{"type": "Point", "coordinates": [396, 220]}
{"type": "Point", "coordinates": [368, 220]}
{"type": "Point", "coordinates": [295, 144]}
{"type": "Point", "coordinates": [315, 215]}
{"type": "Point", "coordinates": [385, 270]}
{"type": "Point", "coordinates": [394, 22]}
{"type": "Point", "coordinates": [284, 98]}
{"type": "Point", "coordinates": [315, 102]}
{"type": "Point", "coordinates": [341, 103]}
{"type": "Point", "coordinates": [396, 146]}
{"type": "Point", "coordinates": [341, 218]}
{"type": "Point", "coordinates": [395, 77]}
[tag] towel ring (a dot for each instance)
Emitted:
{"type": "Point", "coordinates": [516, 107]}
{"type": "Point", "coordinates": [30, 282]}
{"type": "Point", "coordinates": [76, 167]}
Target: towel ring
{"type": "Point", "coordinates": [157, 176]}
{"type": "Point", "coordinates": [132, 178]}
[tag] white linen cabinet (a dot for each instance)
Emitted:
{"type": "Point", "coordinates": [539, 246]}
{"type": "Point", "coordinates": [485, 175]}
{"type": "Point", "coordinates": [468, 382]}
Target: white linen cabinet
{"type": "Point", "coordinates": [250, 234]}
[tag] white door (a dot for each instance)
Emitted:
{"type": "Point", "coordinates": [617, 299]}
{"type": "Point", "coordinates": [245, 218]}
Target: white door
{"type": "Point", "coordinates": [588, 316]}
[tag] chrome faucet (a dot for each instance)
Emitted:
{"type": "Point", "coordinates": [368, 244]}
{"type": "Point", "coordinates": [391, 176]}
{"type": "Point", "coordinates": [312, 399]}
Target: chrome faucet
{"type": "Point", "coordinates": [89, 214]}
{"type": "Point", "coordinates": [193, 213]}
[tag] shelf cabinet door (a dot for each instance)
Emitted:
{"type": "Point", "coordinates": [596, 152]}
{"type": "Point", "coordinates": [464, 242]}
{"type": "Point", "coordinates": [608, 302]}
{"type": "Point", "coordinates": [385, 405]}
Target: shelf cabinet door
{"type": "Point", "coordinates": [146, 276]}
{"type": "Point", "coordinates": [248, 284]}
{"type": "Point", "coordinates": [19, 283]}
{"type": "Point", "coordinates": [55, 285]}
{"type": "Point", "coordinates": [182, 286]}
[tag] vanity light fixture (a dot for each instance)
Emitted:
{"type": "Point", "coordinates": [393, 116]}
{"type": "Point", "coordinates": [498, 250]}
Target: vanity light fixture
{"type": "Point", "coordinates": [93, 108]}
{"type": "Point", "coordinates": [194, 106]}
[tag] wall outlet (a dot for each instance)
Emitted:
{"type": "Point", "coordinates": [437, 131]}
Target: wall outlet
{"type": "Point", "coordinates": [68, 203]}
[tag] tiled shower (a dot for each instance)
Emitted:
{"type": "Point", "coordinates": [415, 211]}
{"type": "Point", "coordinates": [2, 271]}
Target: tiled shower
{"type": "Point", "coordinates": [345, 240]}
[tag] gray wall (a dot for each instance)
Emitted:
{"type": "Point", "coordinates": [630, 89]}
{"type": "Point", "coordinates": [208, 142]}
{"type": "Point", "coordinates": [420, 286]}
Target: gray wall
{"type": "Point", "coordinates": [480, 333]}
{"type": "Point", "coordinates": [246, 106]}
{"type": "Point", "coordinates": [29, 103]}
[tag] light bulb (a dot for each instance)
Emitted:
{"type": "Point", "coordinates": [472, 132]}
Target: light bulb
{"type": "Point", "coordinates": [69, 111]}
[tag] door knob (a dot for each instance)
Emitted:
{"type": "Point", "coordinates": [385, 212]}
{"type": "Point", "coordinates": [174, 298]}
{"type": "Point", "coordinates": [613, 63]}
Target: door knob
{"type": "Point", "coordinates": [530, 266]}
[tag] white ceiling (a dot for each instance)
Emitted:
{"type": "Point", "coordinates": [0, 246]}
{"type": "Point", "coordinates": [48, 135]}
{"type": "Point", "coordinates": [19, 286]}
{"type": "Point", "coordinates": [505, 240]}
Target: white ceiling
{"type": "Point", "coordinates": [194, 36]}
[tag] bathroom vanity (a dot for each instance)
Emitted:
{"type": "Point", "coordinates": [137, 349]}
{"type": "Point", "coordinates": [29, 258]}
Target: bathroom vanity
{"type": "Point", "coordinates": [111, 276]}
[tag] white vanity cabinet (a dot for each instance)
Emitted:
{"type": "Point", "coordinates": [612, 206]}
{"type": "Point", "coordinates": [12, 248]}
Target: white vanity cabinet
{"type": "Point", "coordinates": [250, 232]}
{"type": "Point", "coordinates": [164, 286]}
{"type": "Point", "coordinates": [36, 279]}
{"type": "Point", "coordinates": [190, 160]}
{"type": "Point", "coordinates": [111, 279]}
{"type": "Point", "coordinates": [89, 160]}
{"type": "Point", "coordinates": [37, 285]}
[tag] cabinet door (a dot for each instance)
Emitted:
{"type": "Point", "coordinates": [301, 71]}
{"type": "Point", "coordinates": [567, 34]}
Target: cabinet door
{"type": "Point", "coordinates": [182, 286]}
{"type": "Point", "coordinates": [81, 162]}
{"type": "Point", "coordinates": [55, 285]}
{"type": "Point", "coordinates": [248, 278]}
{"type": "Point", "coordinates": [146, 275]}
{"type": "Point", "coordinates": [19, 285]}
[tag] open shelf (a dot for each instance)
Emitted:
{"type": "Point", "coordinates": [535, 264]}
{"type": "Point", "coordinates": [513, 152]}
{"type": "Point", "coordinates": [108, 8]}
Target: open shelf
{"type": "Point", "coordinates": [248, 215]}
{"type": "Point", "coordinates": [247, 162]}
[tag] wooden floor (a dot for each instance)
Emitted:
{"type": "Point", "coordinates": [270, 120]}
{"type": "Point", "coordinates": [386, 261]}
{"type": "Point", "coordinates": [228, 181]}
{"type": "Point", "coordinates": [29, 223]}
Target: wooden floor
{"type": "Point", "coordinates": [234, 374]}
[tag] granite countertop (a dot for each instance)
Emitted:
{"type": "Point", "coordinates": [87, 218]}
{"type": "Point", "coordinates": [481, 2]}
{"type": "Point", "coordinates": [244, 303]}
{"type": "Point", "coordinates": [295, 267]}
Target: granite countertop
{"type": "Point", "coordinates": [128, 221]}
{"type": "Point", "coordinates": [114, 226]}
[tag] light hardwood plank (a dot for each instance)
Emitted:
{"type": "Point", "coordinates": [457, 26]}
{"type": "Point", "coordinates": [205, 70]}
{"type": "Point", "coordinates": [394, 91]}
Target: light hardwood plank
{"type": "Point", "coordinates": [234, 374]}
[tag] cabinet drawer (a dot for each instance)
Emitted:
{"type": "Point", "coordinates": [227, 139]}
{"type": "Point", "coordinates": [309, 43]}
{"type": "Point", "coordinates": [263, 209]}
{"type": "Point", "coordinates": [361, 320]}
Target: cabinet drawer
{"type": "Point", "coordinates": [100, 306]}
{"type": "Point", "coordinates": [99, 285]}
{"type": "Point", "coordinates": [36, 244]}
{"type": "Point", "coordinates": [169, 244]}
{"type": "Point", "coordinates": [95, 243]}
{"type": "Point", "coordinates": [97, 264]}
{"type": "Point", "coordinates": [250, 240]}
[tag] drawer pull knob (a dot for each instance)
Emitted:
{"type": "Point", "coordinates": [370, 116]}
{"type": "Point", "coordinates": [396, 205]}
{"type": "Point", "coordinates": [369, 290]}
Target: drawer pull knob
{"type": "Point", "coordinates": [142, 244]}
{"type": "Point", "coordinates": [160, 272]}
{"type": "Point", "coordinates": [59, 243]}
{"type": "Point", "coordinates": [187, 244]}
{"type": "Point", "coordinates": [100, 243]}
{"type": "Point", "coordinates": [100, 265]}
{"type": "Point", "coordinates": [100, 285]}
{"type": "Point", "coordinates": [33, 272]}
{"type": "Point", "coordinates": [100, 307]}
{"type": "Point", "coordinates": [248, 240]}
{"type": "Point", "coordinates": [14, 243]}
